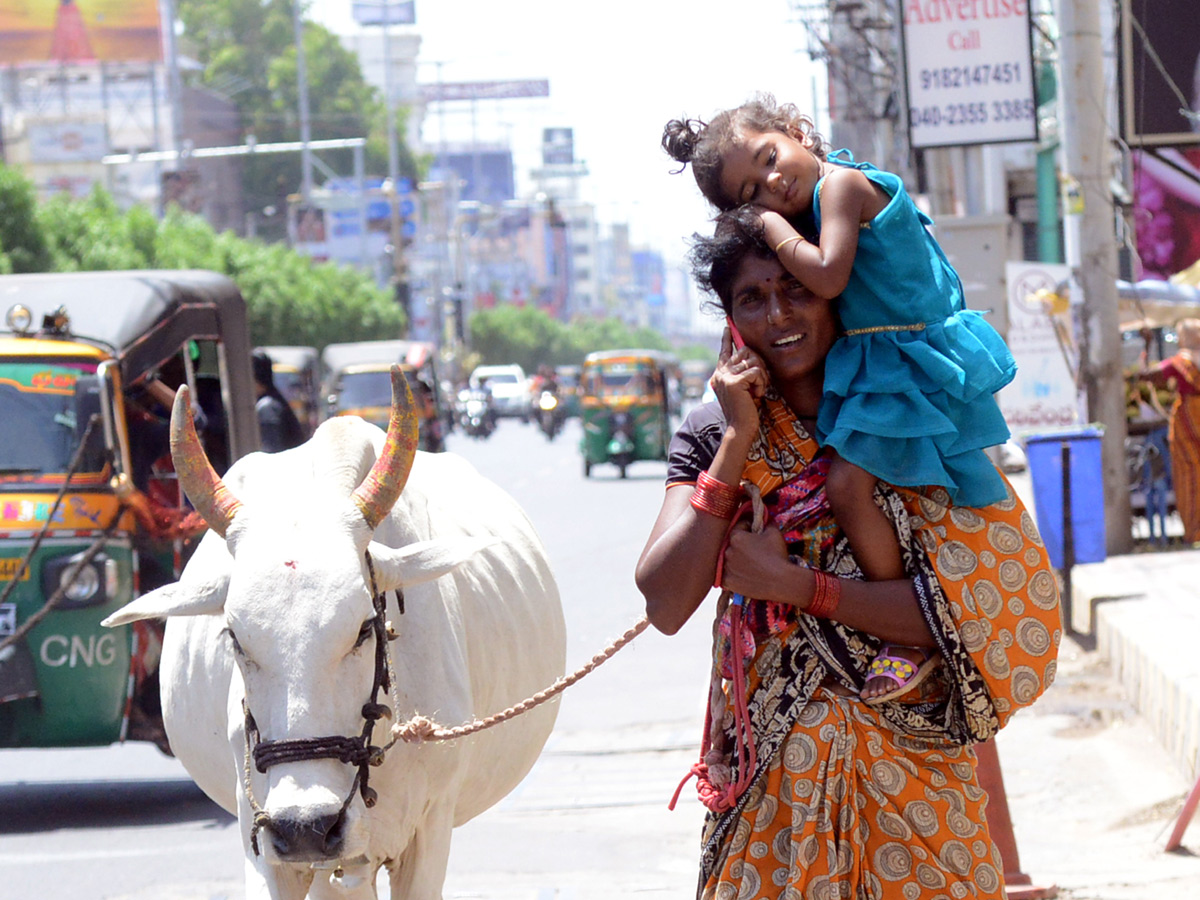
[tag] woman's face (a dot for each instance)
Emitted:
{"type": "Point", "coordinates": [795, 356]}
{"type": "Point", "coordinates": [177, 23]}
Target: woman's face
{"type": "Point", "coordinates": [782, 321]}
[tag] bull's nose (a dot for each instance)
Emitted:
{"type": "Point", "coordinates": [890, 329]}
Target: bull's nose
{"type": "Point", "coordinates": [308, 838]}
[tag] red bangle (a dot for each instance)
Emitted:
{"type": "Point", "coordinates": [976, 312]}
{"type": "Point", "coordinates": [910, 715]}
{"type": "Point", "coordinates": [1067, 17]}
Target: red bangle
{"type": "Point", "coordinates": [716, 498]}
{"type": "Point", "coordinates": [827, 594]}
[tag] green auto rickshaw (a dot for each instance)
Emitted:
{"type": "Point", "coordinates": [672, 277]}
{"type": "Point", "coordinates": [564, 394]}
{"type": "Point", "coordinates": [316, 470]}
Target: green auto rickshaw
{"type": "Point", "coordinates": [90, 511]}
{"type": "Point", "coordinates": [625, 407]}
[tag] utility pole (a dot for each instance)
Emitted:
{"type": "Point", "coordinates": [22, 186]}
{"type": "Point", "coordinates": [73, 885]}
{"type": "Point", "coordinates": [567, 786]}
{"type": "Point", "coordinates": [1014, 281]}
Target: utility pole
{"type": "Point", "coordinates": [1091, 248]}
{"type": "Point", "coordinates": [306, 184]}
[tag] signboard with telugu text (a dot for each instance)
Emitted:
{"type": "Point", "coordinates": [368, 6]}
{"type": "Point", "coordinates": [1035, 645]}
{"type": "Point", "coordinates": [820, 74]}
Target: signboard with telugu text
{"type": "Point", "coordinates": [969, 72]}
{"type": "Point", "coordinates": [1043, 394]}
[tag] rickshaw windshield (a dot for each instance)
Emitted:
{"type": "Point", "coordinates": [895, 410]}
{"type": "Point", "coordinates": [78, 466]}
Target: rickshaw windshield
{"type": "Point", "coordinates": [45, 408]}
{"type": "Point", "coordinates": [620, 379]}
{"type": "Point", "coordinates": [293, 385]}
{"type": "Point", "coordinates": [360, 389]}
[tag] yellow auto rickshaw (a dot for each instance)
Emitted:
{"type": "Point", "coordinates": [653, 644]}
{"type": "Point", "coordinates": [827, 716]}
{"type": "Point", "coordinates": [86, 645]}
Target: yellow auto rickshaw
{"type": "Point", "coordinates": [625, 407]}
{"type": "Point", "coordinates": [358, 383]}
{"type": "Point", "coordinates": [90, 512]}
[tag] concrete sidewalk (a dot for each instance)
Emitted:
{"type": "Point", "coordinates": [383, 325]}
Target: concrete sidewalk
{"type": "Point", "coordinates": [1143, 612]}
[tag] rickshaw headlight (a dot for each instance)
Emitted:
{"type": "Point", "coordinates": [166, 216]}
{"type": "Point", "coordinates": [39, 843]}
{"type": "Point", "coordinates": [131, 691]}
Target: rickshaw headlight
{"type": "Point", "coordinates": [19, 318]}
{"type": "Point", "coordinates": [90, 587]}
{"type": "Point", "coordinates": [81, 586]}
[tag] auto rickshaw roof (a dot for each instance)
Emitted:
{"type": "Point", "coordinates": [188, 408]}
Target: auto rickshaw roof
{"type": "Point", "coordinates": [337, 357]}
{"type": "Point", "coordinates": [662, 358]}
{"type": "Point", "coordinates": [19, 346]}
{"type": "Point", "coordinates": [141, 317]}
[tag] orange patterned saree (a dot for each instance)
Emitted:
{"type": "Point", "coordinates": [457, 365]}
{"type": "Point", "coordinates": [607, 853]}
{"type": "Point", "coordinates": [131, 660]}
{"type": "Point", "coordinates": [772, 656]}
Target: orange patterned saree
{"type": "Point", "coordinates": [874, 803]}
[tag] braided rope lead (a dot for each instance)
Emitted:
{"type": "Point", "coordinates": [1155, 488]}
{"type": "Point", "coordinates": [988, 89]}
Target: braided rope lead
{"type": "Point", "coordinates": [420, 728]}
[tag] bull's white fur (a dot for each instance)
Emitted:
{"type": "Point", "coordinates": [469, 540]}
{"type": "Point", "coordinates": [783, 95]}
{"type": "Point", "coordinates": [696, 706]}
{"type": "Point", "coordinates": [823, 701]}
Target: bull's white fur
{"type": "Point", "coordinates": [482, 629]}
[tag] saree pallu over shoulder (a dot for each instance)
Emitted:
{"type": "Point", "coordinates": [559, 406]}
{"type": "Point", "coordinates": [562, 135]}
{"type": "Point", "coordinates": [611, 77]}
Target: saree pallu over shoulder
{"type": "Point", "coordinates": [982, 577]}
{"type": "Point", "coordinates": [998, 618]}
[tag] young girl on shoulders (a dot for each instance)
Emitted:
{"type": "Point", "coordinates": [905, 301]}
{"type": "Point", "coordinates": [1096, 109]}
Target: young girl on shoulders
{"type": "Point", "coordinates": [908, 387]}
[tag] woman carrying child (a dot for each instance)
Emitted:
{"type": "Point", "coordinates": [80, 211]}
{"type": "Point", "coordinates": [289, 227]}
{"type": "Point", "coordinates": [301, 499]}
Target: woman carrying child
{"type": "Point", "coordinates": [908, 387]}
{"type": "Point", "coordinates": [836, 798]}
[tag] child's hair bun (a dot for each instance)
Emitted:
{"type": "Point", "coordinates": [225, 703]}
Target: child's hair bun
{"type": "Point", "coordinates": [680, 138]}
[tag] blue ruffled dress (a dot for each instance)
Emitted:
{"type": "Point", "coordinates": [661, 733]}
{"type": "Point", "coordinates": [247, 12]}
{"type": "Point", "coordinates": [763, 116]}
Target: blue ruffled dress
{"type": "Point", "coordinates": [908, 389]}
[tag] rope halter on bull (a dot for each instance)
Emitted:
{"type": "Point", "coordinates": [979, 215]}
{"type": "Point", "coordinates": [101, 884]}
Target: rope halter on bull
{"type": "Point", "coordinates": [374, 499]}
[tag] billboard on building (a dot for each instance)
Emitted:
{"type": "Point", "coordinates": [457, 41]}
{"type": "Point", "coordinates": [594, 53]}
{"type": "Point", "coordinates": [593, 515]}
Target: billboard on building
{"type": "Point", "coordinates": [384, 12]}
{"type": "Point", "coordinates": [1160, 73]}
{"type": "Point", "coordinates": [969, 73]}
{"type": "Point", "coordinates": [486, 174]}
{"type": "Point", "coordinates": [55, 142]}
{"type": "Point", "coordinates": [45, 31]}
{"type": "Point", "coordinates": [558, 146]}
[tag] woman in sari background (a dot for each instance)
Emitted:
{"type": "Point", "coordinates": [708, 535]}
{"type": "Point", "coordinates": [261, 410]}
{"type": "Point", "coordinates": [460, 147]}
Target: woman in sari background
{"type": "Point", "coordinates": [813, 792]}
{"type": "Point", "coordinates": [1183, 371]}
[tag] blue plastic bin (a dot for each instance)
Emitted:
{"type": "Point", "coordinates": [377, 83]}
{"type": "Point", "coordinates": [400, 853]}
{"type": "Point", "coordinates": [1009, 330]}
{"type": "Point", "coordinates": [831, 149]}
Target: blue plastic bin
{"type": "Point", "coordinates": [1044, 454]}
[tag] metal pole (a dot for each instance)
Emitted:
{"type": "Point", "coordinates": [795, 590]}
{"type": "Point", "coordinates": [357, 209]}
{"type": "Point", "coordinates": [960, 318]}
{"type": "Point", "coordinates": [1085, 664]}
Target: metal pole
{"type": "Point", "coordinates": [1068, 539]}
{"type": "Point", "coordinates": [399, 264]}
{"type": "Point", "coordinates": [306, 184]}
{"type": "Point", "coordinates": [1092, 249]}
{"type": "Point", "coordinates": [174, 84]}
{"type": "Point", "coordinates": [360, 179]}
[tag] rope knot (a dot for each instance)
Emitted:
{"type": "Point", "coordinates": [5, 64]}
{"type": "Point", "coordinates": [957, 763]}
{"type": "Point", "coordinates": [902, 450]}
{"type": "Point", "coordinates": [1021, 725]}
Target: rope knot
{"type": "Point", "coordinates": [415, 730]}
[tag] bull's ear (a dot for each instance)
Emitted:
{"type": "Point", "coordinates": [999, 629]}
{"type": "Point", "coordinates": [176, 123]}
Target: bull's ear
{"type": "Point", "coordinates": [179, 599]}
{"type": "Point", "coordinates": [423, 561]}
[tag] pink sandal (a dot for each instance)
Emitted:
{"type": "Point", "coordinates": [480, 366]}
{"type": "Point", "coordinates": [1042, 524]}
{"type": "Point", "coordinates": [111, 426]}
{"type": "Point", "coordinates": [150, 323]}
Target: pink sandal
{"type": "Point", "coordinates": [904, 672]}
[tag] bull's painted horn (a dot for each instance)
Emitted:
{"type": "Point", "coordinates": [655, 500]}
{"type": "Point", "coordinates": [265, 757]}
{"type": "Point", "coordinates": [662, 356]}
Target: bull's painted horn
{"type": "Point", "coordinates": [381, 488]}
{"type": "Point", "coordinates": [197, 477]}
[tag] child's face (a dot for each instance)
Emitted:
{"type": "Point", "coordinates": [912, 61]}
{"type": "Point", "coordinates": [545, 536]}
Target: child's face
{"type": "Point", "coordinates": [771, 169]}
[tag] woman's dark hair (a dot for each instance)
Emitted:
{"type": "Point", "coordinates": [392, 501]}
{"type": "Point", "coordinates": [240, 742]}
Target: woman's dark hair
{"type": "Point", "coordinates": [716, 260]}
{"type": "Point", "coordinates": [704, 144]}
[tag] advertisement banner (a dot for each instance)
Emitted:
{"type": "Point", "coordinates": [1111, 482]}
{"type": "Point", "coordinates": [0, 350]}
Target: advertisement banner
{"type": "Point", "coordinates": [384, 12]}
{"type": "Point", "coordinates": [558, 146]}
{"type": "Point", "coordinates": [1042, 341]}
{"type": "Point", "coordinates": [77, 31]}
{"type": "Point", "coordinates": [969, 72]}
{"type": "Point", "coordinates": [54, 142]}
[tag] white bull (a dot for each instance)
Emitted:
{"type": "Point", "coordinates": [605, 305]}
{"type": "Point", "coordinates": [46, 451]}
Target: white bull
{"type": "Point", "coordinates": [273, 617]}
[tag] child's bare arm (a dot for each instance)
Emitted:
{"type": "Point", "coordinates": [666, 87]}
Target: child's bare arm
{"type": "Point", "coordinates": [847, 199]}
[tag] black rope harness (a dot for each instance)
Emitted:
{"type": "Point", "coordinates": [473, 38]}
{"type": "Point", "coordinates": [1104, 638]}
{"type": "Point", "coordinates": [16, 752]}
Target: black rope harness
{"type": "Point", "coordinates": [356, 751]}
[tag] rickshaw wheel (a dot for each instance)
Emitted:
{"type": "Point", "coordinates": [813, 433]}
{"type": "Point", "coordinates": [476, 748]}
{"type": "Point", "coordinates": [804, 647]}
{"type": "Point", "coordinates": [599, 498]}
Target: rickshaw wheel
{"type": "Point", "coordinates": [623, 470]}
{"type": "Point", "coordinates": [587, 468]}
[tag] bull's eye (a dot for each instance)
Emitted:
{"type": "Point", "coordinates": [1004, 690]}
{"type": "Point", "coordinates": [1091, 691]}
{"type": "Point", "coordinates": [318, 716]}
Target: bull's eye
{"type": "Point", "coordinates": [237, 648]}
{"type": "Point", "coordinates": [364, 633]}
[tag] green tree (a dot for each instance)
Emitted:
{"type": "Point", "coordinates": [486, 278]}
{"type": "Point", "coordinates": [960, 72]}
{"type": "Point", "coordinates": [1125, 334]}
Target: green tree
{"type": "Point", "coordinates": [289, 299]}
{"type": "Point", "coordinates": [22, 240]}
{"type": "Point", "coordinates": [530, 337]}
{"type": "Point", "coordinates": [247, 48]}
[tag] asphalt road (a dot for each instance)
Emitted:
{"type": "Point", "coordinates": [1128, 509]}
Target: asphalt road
{"type": "Point", "coordinates": [1090, 791]}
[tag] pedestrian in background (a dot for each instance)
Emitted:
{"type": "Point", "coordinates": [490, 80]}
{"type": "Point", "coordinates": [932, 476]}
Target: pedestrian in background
{"type": "Point", "coordinates": [1182, 372]}
{"type": "Point", "coordinates": [278, 427]}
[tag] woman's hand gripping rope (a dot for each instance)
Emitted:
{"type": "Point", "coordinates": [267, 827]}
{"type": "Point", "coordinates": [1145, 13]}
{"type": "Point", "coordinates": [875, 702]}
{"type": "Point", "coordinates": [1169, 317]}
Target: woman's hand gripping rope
{"type": "Point", "coordinates": [715, 784]}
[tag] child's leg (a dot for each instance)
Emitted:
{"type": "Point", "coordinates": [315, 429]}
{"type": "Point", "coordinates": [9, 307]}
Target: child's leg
{"type": "Point", "coordinates": [851, 493]}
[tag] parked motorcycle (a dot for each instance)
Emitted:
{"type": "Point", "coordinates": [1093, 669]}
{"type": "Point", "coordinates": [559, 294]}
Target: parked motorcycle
{"type": "Point", "coordinates": [476, 415]}
{"type": "Point", "coordinates": [550, 414]}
